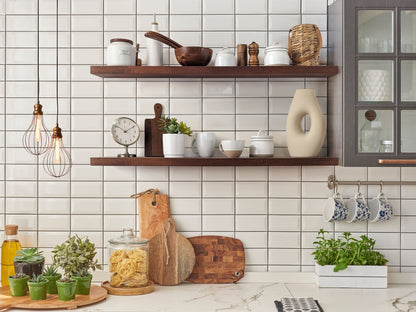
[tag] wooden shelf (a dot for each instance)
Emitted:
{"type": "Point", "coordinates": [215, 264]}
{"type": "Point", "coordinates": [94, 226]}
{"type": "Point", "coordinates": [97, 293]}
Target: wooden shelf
{"type": "Point", "coordinates": [213, 161]}
{"type": "Point", "coordinates": [213, 72]}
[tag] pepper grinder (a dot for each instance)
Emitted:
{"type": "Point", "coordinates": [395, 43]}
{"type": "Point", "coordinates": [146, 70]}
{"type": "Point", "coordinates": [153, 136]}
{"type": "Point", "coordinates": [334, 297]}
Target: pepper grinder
{"type": "Point", "coordinates": [242, 55]}
{"type": "Point", "coordinates": [253, 50]}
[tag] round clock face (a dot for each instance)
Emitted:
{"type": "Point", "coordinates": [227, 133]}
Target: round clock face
{"type": "Point", "coordinates": [125, 131]}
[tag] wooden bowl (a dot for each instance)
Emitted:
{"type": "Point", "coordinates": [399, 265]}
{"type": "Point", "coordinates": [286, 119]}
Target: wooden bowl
{"type": "Point", "coordinates": [193, 56]}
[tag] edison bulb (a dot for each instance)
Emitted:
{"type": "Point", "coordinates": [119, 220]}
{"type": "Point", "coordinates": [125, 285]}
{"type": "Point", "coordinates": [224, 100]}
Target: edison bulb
{"type": "Point", "coordinates": [37, 139]}
{"type": "Point", "coordinates": [57, 161]}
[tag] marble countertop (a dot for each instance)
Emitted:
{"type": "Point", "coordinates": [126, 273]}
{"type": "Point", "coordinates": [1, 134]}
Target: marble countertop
{"type": "Point", "coordinates": [258, 297]}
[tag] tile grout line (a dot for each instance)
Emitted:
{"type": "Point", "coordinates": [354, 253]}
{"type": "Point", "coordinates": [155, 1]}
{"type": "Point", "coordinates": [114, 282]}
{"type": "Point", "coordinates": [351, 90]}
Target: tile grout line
{"type": "Point", "coordinates": [5, 118]}
{"type": "Point", "coordinates": [103, 143]}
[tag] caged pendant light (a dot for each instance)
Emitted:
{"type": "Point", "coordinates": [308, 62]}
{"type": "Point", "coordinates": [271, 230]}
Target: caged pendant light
{"type": "Point", "coordinates": [36, 139]}
{"type": "Point", "coordinates": [57, 161]}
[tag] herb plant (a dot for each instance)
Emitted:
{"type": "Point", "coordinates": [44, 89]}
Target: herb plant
{"type": "Point", "coordinates": [74, 255]}
{"type": "Point", "coordinates": [29, 255]}
{"type": "Point", "coordinates": [346, 250]}
{"type": "Point", "coordinates": [18, 276]}
{"type": "Point", "coordinates": [50, 271]}
{"type": "Point", "coordinates": [37, 278]}
{"type": "Point", "coordinates": [82, 272]}
{"type": "Point", "coordinates": [172, 125]}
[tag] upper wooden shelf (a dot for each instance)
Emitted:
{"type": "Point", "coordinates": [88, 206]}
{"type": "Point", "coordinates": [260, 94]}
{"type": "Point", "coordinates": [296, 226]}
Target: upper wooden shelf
{"type": "Point", "coordinates": [213, 161]}
{"type": "Point", "coordinates": [213, 72]}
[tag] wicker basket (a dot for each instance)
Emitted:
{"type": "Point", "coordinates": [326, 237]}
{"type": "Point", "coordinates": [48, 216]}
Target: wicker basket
{"type": "Point", "coordinates": [305, 42]}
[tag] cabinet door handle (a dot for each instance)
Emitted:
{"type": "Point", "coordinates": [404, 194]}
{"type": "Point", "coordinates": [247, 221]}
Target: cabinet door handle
{"type": "Point", "coordinates": [396, 161]}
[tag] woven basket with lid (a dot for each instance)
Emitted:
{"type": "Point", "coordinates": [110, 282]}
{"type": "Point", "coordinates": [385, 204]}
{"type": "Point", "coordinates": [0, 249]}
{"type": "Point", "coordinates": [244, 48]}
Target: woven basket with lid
{"type": "Point", "coordinates": [305, 42]}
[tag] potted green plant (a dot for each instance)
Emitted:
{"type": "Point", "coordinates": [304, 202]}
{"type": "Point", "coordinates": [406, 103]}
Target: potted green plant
{"type": "Point", "coordinates": [174, 132]}
{"type": "Point", "coordinates": [29, 261]}
{"type": "Point", "coordinates": [52, 275]}
{"type": "Point", "coordinates": [38, 286]}
{"type": "Point", "coordinates": [18, 284]}
{"type": "Point", "coordinates": [349, 262]}
{"type": "Point", "coordinates": [76, 256]}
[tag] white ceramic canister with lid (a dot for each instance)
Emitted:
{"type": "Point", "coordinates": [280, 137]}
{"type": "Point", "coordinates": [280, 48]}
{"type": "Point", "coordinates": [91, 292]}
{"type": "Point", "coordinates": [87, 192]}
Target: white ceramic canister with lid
{"type": "Point", "coordinates": [225, 57]}
{"type": "Point", "coordinates": [276, 55]}
{"type": "Point", "coordinates": [261, 145]}
{"type": "Point", "coordinates": [121, 52]}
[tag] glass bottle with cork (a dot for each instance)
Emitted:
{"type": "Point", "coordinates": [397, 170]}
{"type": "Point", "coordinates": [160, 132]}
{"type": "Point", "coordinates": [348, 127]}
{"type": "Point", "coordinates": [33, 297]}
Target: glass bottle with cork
{"type": "Point", "coordinates": [8, 251]}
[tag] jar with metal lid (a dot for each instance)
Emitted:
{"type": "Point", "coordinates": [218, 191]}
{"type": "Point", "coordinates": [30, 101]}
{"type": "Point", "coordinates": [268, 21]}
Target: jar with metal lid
{"type": "Point", "coordinates": [261, 145]}
{"type": "Point", "coordinates": [276, 55]}
{"type": "Point", "coordinates": [121, 52]}
{"type": "Point", "coordinates": [225, 57]}
{"type": "Point", "coordinates": [128, 260]}
{"type": "Point", "coordinates": [386, 146]}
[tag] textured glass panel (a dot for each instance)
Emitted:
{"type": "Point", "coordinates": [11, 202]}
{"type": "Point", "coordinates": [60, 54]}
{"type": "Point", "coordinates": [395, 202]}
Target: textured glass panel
{"type": "Point", "coordinates": [375, 131]}
{"type": "Point", "coordinates": [375, 31]}
{"type": "Point", "coordinates": [375, 81]}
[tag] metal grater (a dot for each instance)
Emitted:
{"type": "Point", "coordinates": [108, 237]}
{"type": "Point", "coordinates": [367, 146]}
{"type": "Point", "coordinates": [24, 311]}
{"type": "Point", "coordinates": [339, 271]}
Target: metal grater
{"type": "Point", "coordinates": [299, 305]}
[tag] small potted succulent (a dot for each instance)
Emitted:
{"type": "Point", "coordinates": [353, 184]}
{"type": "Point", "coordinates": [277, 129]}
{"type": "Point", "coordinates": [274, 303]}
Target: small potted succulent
{"type": "Point", "coordinates": [38, 286]}
{"type": "Point", "coordinates": [18, 284]}
{"type": "Point", "coordinates": [52, 275]}
{"type": "Point", "coordinates": [174, 132]}
{"type": "Point", "coordinates": [29, 261]}
{"type": "Point", "coordinates": [76, 256]}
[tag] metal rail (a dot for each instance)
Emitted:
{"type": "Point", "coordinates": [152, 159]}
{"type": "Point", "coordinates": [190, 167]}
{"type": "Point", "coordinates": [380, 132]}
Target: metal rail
{"type": "Point", "coordinates": [332, 182]}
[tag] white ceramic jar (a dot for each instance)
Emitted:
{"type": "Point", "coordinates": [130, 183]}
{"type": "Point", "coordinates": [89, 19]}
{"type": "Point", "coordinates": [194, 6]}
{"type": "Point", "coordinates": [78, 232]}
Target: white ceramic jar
{"type": "Point", "coordinates": [225, 57]}
{"type": "Point", "coordinates": [276, 55]}
{"type": "Point", "coordinates": [121, 52]}
{"type": "Point", "coordinates": [261, 145]}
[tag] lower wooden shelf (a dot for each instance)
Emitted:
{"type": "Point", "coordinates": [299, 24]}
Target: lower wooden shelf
{"type": "Point", "coordinates": [213, 161]}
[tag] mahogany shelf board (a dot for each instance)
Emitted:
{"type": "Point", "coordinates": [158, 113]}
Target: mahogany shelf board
{"type": "Point", "coordinates": [97, 294]}
{"type": "Point", "coordinates": [213, 72]}
{"type": "Point", "coordinates": [214, 161]}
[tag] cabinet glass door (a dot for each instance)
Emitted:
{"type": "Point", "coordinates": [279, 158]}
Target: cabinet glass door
{"type": "Point", "coordinates": [375, 81]}
{"type": "Point", "coordinates": [408, 81]}
{"type": "Point", "coordinates": [375, 31]}
{"type": "Point", "coordinates": [408, 131]}
{"type": "Point", "coordinates": [375, 131]}
{"type": "Point", "coordinates": [408, 31]}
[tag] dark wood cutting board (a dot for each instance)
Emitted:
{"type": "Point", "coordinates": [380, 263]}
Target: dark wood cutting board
{"type": "Point", "coordinates": [153, 146]}
{"type": "Point", "coordinates": [218, 259]}
{"type": "Point", "coordinates": [171, 256]}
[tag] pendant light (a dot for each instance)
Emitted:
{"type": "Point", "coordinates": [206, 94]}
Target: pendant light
{"type": "Point", "coordinates": [36, 139]}
{"type": "Point", "coordinates": [57, 161]}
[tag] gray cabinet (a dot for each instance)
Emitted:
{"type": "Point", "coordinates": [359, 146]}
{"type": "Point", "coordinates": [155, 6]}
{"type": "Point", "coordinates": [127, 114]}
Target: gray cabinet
{"type": "Point", "coordinates": [372, 101]}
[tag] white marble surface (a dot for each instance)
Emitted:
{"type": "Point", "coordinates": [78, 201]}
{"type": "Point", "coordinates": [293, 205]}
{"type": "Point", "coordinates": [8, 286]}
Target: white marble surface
{"type": "Point", "coordinates": [258, 297]}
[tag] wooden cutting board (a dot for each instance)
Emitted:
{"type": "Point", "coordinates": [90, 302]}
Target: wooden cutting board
{"type": "Point", "coordinates": [97, 294]}
{"type": "Point", "coordinates": [153, 211]}
{"type": "Point", "coordinates": [153, 146]}
{"type": "Point", "coordinates": [219, 259]}
{"type": "Point", "coordinates": [171, 256]}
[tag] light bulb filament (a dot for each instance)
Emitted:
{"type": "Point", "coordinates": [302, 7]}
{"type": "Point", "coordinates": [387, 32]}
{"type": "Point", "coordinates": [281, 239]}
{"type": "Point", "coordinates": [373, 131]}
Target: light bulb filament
{"type": "Point", "coordinates": [57, 150]}
{"type": "Point", "coordinates": [38, 127]}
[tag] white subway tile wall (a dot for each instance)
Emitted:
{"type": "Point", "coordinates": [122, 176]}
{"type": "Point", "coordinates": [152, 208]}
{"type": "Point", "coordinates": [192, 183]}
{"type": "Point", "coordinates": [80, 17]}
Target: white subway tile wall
{"type": "Point", "coordinates": [275, 211]}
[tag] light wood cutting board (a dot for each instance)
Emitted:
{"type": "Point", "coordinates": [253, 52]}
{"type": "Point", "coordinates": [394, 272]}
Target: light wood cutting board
{"type": "Point", "coordinates": [171, 256]}
{"type": "Point", "coordinates": [219, 259]}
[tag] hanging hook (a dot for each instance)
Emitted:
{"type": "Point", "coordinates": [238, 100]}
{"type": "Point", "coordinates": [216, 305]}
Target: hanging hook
{"type": "Point", "coordinates": [359, 186]}
{"type": "Point", "coordinates": [381, 186]}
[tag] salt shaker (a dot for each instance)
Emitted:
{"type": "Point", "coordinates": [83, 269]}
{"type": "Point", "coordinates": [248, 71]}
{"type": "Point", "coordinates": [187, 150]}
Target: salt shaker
{"type": "Point", "coordinates": [253, 50]}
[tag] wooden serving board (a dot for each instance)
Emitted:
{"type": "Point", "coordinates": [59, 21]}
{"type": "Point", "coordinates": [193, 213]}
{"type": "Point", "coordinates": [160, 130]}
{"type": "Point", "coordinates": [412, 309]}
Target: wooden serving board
{"type": "Point", "coordinates": [128, 291]}
{"type": "Point", "coordinates": [171, 256]}
{"type": "Point", "coordinates": [153, 146]}
{"type": "Point", "coordinates": [97, 294]}
{"type": "Point", "coordinates": [152, 214]}
{"type": "Point", "coordinates": [219, 259]}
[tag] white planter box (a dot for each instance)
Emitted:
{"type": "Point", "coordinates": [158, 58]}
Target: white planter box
{"type": "Point", "coordinates": [354, 276]}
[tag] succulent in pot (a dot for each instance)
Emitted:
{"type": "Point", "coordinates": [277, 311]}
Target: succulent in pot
{"type": "Point", "coordinates": [173, 136]}
{"type": "Point", "coordinates": [75, 257]}
{"type": "Point", "coordinates": [29, 261]}
{"type": "Point", "coordinates": [18, 284]}
{"type": "Point", "coordinates": [38, 286]}
{"type": "Point", "coordinates": [52, 275]}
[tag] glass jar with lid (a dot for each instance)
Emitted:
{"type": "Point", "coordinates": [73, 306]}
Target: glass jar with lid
{"type": "Point", "coordinates": [128, 260]}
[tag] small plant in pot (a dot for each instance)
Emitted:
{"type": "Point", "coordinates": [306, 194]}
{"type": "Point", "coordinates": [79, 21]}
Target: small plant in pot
{"type": "Point", "coordinates": [18, 284]}
{"type": "Point", "coordinates": [38, 286]}
{"type": "Point", "coordinates": [174, 132]}
{"type": "Point", "coordinates": [29, 261]}
{"type": "Point", "coordinates": [76, 256]}
{"type": "Point", "coordinates": [52, 275]}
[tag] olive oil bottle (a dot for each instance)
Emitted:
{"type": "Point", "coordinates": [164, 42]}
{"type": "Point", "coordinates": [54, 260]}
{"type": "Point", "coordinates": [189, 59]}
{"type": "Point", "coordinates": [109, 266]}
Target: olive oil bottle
{"type": "Point", "coordinates": [8, 251]}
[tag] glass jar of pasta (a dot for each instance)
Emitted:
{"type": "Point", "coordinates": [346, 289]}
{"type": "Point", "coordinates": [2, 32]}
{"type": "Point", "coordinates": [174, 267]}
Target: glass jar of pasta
{"type": "Point", "coordinates": [128, 260]}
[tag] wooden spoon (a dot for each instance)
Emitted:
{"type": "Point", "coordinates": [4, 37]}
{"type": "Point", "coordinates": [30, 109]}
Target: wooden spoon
{"type": "Point", "coordinates": [162, 38]}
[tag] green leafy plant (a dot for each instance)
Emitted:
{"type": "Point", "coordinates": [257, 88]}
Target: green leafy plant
{"type": "Point", "coordinates": [82, 272]}
{"type": "Point", "coordinates": [38, 279]}
{"type": "Point", "coordinates": [29, 255]}
{"type": "Point", "coordinates": [74, 255]}
{"type": "Point", "coordinates": [50, 271]}
{"type": "Point", "coordinates": [346, 250]}
{"type": "Point", "coordinates": [18, 276]}
{"type": "Point", "coordinates": [172, 125]}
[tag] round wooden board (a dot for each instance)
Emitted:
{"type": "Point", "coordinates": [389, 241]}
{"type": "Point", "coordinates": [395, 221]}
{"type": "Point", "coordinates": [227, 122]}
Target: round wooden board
{"type": "Point", "coordinates": [128, 291]}
{"type": "Point", "coordinates": [97, 294]}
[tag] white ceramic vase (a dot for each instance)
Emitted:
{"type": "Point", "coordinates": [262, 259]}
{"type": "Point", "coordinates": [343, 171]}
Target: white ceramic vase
{"type": "Point", "coordinates": [173, 145]}
{"type": "Point", "coordinates": [303, 144]}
